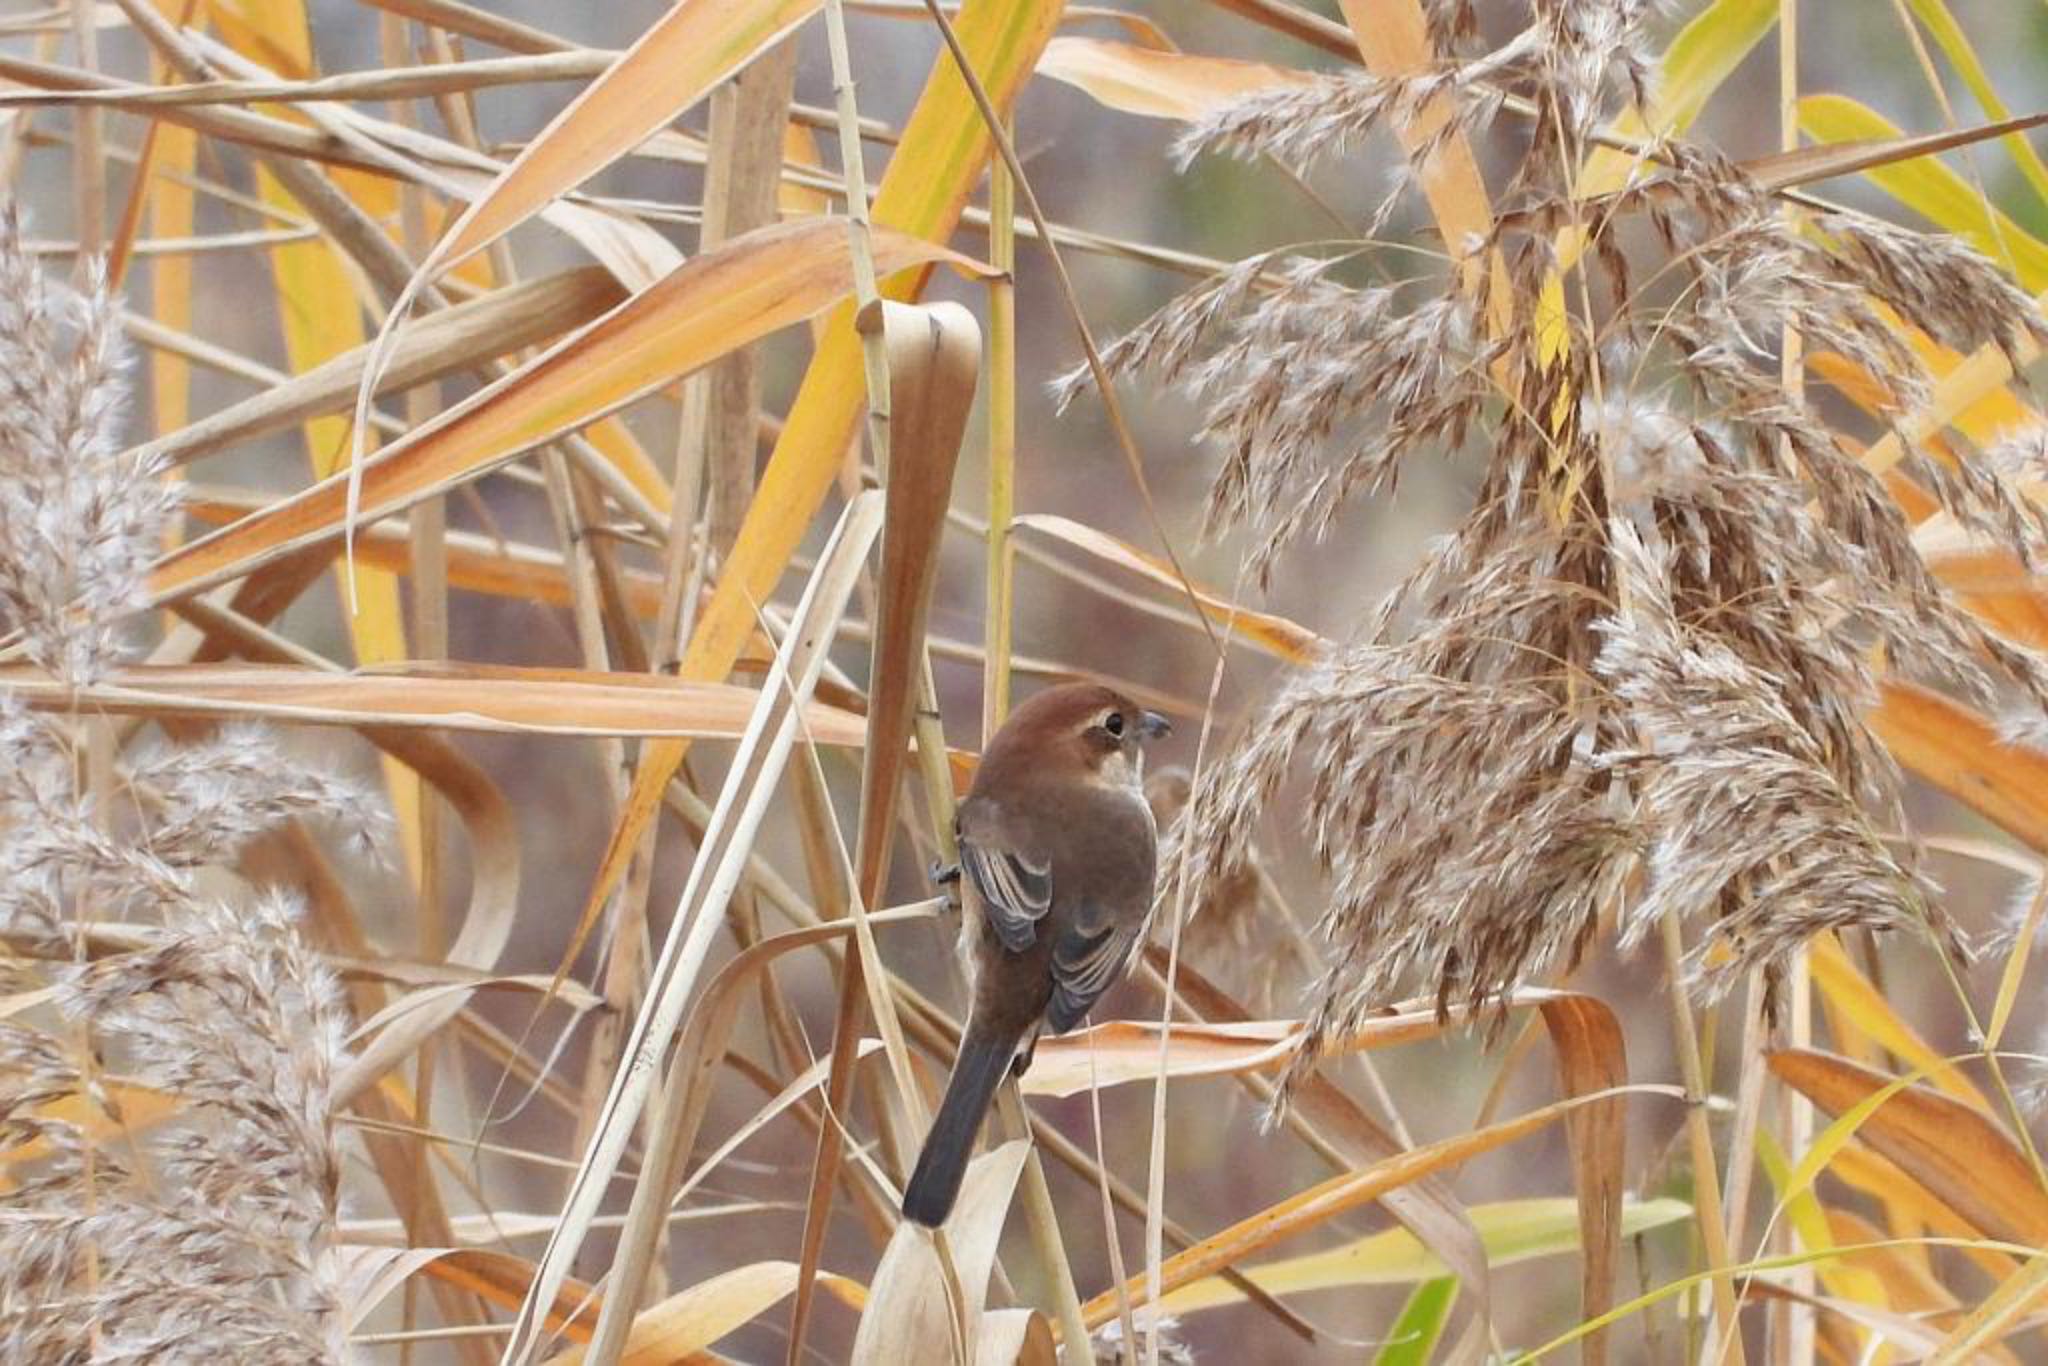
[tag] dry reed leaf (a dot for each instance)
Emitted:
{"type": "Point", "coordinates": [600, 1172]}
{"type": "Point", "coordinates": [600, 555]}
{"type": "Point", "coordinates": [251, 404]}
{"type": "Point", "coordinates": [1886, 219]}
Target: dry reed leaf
{"type": "Point", "coordinates": [1993, 584]}
{"type": "Point", "coordinates": [1274, 634]}
{"type": "Point", "coordinates": [1426, 1207]}
{"type": "Point", "coordinates": [1996, 1316]}
{"type": "Point", "coordinates": [1393, 37]}
{"type": "Point", "coordinates": [1930, 188]}
{"type": "Point", "coordinates": [172, 161]}
{"type": "Point", "coordinates": [932, 356]}
{"type": "Point", "coordinates": [449, 697]}
{"type": "Point", "coordinates": [674, 63]}
{"type": "Point", "coordinates": [395, 970]}
{"type": "Point", "coordinates": [1908, 1280]}
{"type": "Point", "coordinates": [1158, 84]}
{"type": "Point", "coordinates": [1862, 1005]}
{"type": "Point", "coordinates": [477, 564]}
{"type": "Point", "coordinates": [689, 1321]}
{"type": "Point", "coordinates": [496, 1276]}
{"type": "Point", "coordinates": [716, 302]}
{"type": "Point", "coordinates": [321, 315]}
{"type": "Point", "coordinates": [1949, 1147]}
{"type": "Point", "coordinates": [908, 1316]}
{"type": "Point", "coordinates": [1119, 1052]}
{"type": "Point", "coordinates": [454, 339]}
{"type": "Point", "coordinates": [1514, 1231]}
{"type": "Point", "coordinates": [1911, 1207]}
{"type": "Point", "coordinates": [1961, 753]}
{"type": "Point", "coordinates": [1322, 1202]}
{"type": "Point", "coordinates": [934, 363]}
{"type": "Point", "coordinates": [749, 788]}
{"type": "Point", "coordinates": [933, 360]}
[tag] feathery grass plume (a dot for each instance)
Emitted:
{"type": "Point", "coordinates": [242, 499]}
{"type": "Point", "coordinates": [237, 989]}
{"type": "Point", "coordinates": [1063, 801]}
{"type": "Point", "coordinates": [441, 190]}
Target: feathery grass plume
{"type": "Point", "coordinates": [1633, 679]}
{"type": "Point", "coordinates": [80, 515]}
{"type": "Point", "coordinates": [224, 1248]}
{"type": "Point", "coordinates": [208, 1232]}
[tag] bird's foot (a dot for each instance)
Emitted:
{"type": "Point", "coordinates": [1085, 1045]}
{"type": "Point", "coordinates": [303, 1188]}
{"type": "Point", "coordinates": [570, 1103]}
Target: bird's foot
{"type": "Point", "coordinates": [946, 877]}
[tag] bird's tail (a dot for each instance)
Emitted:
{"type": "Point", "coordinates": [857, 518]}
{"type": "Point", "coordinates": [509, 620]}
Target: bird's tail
{"type": "Point", "coordinates": [935, 1184]}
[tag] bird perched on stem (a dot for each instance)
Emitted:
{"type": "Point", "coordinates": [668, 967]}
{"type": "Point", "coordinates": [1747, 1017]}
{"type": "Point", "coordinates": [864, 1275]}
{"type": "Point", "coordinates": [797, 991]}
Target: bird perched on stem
{"type": "Point", "coordinates": [1057, 858]}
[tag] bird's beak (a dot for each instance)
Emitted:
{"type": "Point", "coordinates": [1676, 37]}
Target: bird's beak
{"type": "Point", "coordinates": [1153, 726]}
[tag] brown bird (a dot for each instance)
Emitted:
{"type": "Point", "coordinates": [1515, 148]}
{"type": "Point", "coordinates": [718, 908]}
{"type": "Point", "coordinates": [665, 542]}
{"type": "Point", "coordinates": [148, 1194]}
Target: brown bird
{"type": "Point", "coordinates": [1057, 852]}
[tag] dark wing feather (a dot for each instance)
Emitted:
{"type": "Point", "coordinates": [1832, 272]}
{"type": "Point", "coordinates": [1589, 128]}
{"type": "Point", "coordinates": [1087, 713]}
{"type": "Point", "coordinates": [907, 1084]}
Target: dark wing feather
{"type": "Point", "coordinates": [1084, 960]}
{"type": "Point", "coordinates": [1015, 892]}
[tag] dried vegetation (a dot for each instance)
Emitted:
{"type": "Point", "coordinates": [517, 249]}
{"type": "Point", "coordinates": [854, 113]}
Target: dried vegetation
{"type": "Point", "coordinates": [1749, 568]}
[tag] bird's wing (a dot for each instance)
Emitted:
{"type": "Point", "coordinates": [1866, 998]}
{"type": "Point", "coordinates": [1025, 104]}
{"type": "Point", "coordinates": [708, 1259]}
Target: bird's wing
{"type": "Point", "coordinates": [1085, 958]}
{"type": "Point", "coordinates": [1015, 890]}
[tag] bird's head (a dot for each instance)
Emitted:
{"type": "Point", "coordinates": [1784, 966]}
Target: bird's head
{"type": "Point", "coordinates": [1095, 732]}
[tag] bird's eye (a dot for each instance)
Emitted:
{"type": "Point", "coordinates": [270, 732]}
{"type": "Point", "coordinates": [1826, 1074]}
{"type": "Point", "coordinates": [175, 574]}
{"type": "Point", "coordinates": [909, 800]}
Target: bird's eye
{"type": "Point", "coordinates": [1114, 723]}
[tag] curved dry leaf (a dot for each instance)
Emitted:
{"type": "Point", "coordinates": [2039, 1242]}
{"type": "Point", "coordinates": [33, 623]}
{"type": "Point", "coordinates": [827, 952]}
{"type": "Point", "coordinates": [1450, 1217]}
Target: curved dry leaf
{"type": "Point", "coordinates": [934, 363]}
{"type": "Point", "coordinates": [1156, 84]}
{"type": "Point", "coordinates": [691, 1320]}
{"type": "Point", "coordinates": [908, 1317]}
{"type": "Point", "coordinates": [370, 1274]}
{"type": "Point", "coordinates": [495, 860]}
{"type": "Point", "coordinates": [1592, 1063]}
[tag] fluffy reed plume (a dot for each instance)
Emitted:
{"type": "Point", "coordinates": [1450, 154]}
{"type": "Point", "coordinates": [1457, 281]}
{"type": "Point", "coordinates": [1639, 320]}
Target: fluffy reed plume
{"type": "Point", "coordinates": [1632, 681]}
{"type": "Point", "coordinates": [166, 1124]}
{"type": "Point", "coordinates": [79, 517]}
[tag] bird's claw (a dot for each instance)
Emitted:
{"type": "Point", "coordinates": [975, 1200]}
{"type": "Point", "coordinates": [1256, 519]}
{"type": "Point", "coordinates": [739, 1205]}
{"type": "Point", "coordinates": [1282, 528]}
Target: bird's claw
{"type": "Point", "coordinates": [946, 877]}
